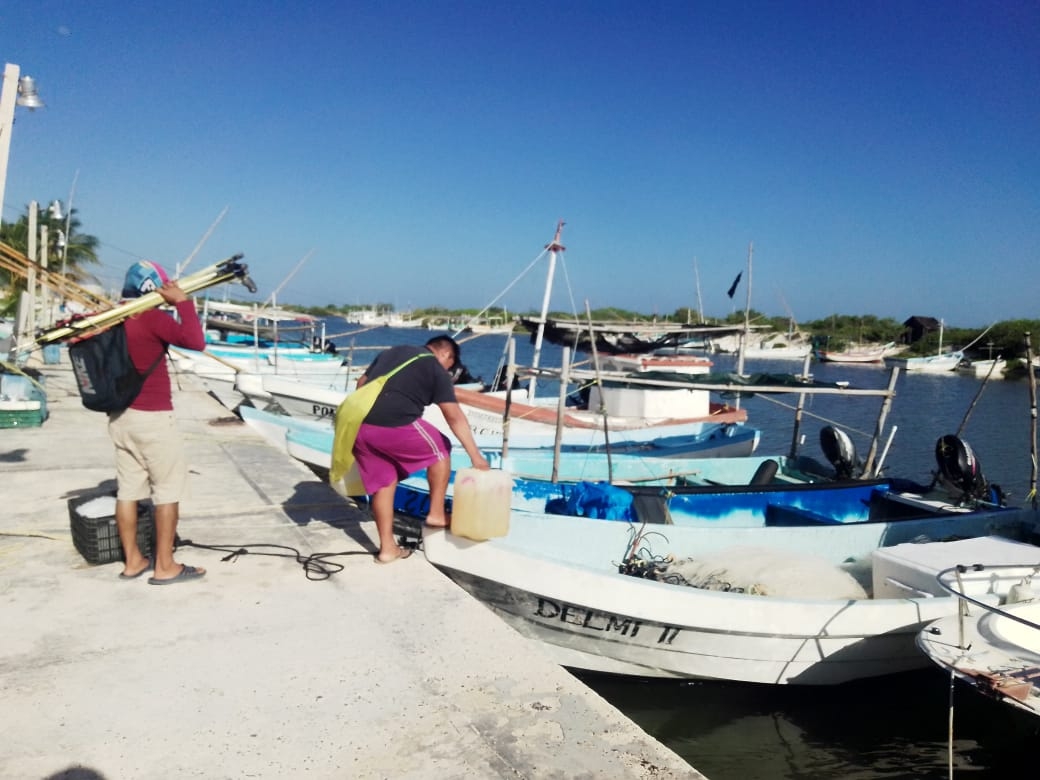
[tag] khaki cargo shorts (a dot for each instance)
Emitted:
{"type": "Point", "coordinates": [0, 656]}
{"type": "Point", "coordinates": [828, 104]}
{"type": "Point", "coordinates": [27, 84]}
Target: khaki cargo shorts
{"type": "Point", "coordinates": [150, 460]}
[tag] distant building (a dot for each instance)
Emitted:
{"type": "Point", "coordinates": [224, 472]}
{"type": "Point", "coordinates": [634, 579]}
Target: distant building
{"type": "Point", "coordinates": [916, 328]}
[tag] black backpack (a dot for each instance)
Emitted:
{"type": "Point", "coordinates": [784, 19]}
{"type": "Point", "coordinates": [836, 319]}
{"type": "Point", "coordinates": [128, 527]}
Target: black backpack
{"type": "Point", "coordinates": [107, 379]}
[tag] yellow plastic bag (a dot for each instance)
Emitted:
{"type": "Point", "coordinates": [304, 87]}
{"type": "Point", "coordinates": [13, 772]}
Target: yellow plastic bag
{"type": "Point", "coordinates": [343, 474]}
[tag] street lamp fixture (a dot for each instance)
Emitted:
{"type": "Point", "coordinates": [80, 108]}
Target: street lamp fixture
{"type": "Point", "coordinates": [15, 90]}
{"type": "Point", "coordinates": [27, 94]}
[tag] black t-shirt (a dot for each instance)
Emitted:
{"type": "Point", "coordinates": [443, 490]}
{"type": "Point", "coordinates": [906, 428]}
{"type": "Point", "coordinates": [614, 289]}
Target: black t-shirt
{"type": "Point", "coordinates": [408, 392]}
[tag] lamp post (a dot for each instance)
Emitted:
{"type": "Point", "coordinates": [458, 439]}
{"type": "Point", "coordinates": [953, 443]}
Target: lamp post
{"type": "Point", "coordinates": [20, 90]}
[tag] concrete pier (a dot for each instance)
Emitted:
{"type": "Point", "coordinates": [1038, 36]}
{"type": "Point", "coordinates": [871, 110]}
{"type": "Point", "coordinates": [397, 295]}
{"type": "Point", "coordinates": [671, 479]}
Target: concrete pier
{"type": "Point", "coordinates": [260, 669]}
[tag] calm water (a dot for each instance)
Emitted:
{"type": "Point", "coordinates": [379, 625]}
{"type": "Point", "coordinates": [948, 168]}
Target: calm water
{"type": "Point", "coordinates": [891, 728]}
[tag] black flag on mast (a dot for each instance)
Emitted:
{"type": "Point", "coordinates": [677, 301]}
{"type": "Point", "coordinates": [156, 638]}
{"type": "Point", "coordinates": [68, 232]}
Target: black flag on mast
{"type": "Point", "coordinates": [733, 287]}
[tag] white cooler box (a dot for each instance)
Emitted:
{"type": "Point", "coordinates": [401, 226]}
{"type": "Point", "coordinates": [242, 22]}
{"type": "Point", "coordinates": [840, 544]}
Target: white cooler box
{"type": "Point", "coordinates": [655, 403]}
{"type": "Point", "coordinates": [909, 570]}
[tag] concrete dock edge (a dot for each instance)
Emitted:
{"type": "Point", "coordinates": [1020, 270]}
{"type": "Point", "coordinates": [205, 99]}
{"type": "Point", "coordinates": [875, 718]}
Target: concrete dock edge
{"type": "Point", "coordinates": [257, 669]}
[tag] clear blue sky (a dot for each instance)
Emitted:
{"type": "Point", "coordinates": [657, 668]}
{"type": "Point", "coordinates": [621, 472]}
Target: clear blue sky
{"type": "Point", "coordinates": [881, 156]}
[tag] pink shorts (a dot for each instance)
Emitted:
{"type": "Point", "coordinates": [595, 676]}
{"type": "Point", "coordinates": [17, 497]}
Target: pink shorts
{"type": "Point", "coordinates": [388, 455]}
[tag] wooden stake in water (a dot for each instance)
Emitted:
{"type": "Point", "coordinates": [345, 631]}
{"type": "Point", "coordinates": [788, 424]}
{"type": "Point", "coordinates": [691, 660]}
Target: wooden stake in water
{"type": "Point", "coordinates": [1032, 419]}
{"type": "Point", "coordinates": [565, 370]}
{"type": "Point", "coordinates": [510, 373]}
{"type": "Point", "coordinates": [796, 435]}
{"type": "Point", "coordinates": [602, 402]}
{"type": "Point", "coordinates": [975, 400]}
{"type": "Point", "coordinates": [886, 405]}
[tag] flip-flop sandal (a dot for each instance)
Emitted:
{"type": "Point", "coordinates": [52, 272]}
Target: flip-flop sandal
{"type": "Point", "coordinates": [149, 567]}
{"type": "Point", "coordinates": [187, 573]}
{"type": "Point", "coordinates": [405, 552]}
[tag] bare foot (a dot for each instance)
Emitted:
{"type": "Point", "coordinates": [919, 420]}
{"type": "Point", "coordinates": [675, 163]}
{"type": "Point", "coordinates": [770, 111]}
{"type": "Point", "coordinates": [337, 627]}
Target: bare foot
{"type": "Point", "coordinates": [398, 555]}
{"type": "Point", "coordinates": [434, 521]}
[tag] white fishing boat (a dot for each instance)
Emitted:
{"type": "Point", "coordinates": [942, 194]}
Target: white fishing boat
{"type": "Point", "coordinates": [781, 605]}
{"type": "Point", "coordinates": [939, 363]}
{"type": "Point", "coordinates": [382, 318]}
{"type": "Point", "coordinates": [992, 644]}
{"type": "Point", "coordinates": [859, 353]}
{"type": "Point", "coordinates": [275, 427]}
{"type": "Point", "coordinates": [491, 325]}
{"type": "Point", "coordinates": [777, 350]}
{"type": "Point", "coordinates": [720, 432]}
{"type": "Point", "coordinates": [264, 315]}
{"type": "Point", "coordinates": [671, 421]}
{"type": "Point", "coordinates": [311, 442]}
{"type": "Point", "coordinates": [617, 336]}
{"type": "Point", "coordinates": [758, 491]}
{"type": "Point", "coordinates": [942, 363]}
{"type": "Point", "coordinates": [251, 387]}
{"type": "Point", "coordinates": [246, 341]}
{"type": "Point", "coordinates": [234, 325]}
{"type": "Point", "coordinates": [690, 365]}
{"type": "Point", "coordinates": [234, 376]}
{"type": "Point", "coordinates": [308, 400]}
{"type": "Point", "coordinates": [788, 346]}
{"type": "Point", "coordinates": [981, 369]}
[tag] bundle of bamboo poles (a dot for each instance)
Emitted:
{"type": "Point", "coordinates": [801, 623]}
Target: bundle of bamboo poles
{"type": "Point", "coordinates": [225, 271]}
{"type": "Point", "coordinates": [20, 265]}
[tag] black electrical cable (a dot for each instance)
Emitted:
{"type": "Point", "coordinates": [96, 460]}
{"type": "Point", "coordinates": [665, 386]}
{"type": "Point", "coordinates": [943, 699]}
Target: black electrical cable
{"type": "Point", "coordinates": [316, 566]}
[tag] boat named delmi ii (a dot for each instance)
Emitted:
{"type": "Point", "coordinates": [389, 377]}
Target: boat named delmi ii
{"type": "Point", "coordinates": [779, 605]}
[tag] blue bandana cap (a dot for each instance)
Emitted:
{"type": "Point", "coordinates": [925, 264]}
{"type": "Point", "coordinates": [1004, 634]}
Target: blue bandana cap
{"type": "Point", "coordinates": [143, 277]}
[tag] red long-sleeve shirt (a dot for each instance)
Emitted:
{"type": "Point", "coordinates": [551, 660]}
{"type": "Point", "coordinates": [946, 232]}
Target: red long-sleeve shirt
{"type": "Point", "coordinates": [147, 336]}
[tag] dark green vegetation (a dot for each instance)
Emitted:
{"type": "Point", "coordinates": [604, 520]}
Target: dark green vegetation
{"type": "Point", "coordinates": [1006, 339]}
{"type": "Point", "coordinates": [66, 248]}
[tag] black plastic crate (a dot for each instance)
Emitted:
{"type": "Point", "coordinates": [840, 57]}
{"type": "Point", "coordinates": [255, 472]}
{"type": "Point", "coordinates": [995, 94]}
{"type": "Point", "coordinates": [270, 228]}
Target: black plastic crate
{"type": "Point", "coordinates": [96, 536]}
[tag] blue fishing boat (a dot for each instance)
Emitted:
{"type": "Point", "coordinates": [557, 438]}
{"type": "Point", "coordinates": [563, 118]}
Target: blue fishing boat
{"type": "Point", "coordinates": [740, 492]}
{"type": "Point", "coordinates": [755, 492]}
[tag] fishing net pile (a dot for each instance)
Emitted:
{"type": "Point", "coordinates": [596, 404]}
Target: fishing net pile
{"type": "Point", "coordinates": [756, 571]}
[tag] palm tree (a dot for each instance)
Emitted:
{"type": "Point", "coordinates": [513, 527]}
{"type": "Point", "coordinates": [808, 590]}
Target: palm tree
{"type": "Point", "coordinates": [66, 248]}
{"type": "Point", "coordinates": [65, 244]}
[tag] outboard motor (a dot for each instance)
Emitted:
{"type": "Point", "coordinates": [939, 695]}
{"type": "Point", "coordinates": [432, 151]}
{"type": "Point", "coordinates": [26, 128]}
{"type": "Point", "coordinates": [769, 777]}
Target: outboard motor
{"type": "Point", "coordinates": [840, 451]}
{"type": "Point", "coordinates": [959, 468]}
{"type": "Point", "coordinates": [765, 472]}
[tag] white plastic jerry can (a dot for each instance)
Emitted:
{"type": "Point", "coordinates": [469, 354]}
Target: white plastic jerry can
{"type": "Point", "coordinates": [481, 503]}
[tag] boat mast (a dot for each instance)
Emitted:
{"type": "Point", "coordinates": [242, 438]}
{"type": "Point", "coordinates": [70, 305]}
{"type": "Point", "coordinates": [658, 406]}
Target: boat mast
{"type": "Point", "coordinates": [553, 248]}
{"type": "Point", "coordinates": [1032, 415]}
{"type": "Point", "coordinates": [790, 318]}
{"type": "Point", "coordinates": [700, 305]}
{"type": "Point", "coordinates": [181, 267]}
{"type": "Point", "coordinates": [747, 313]}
